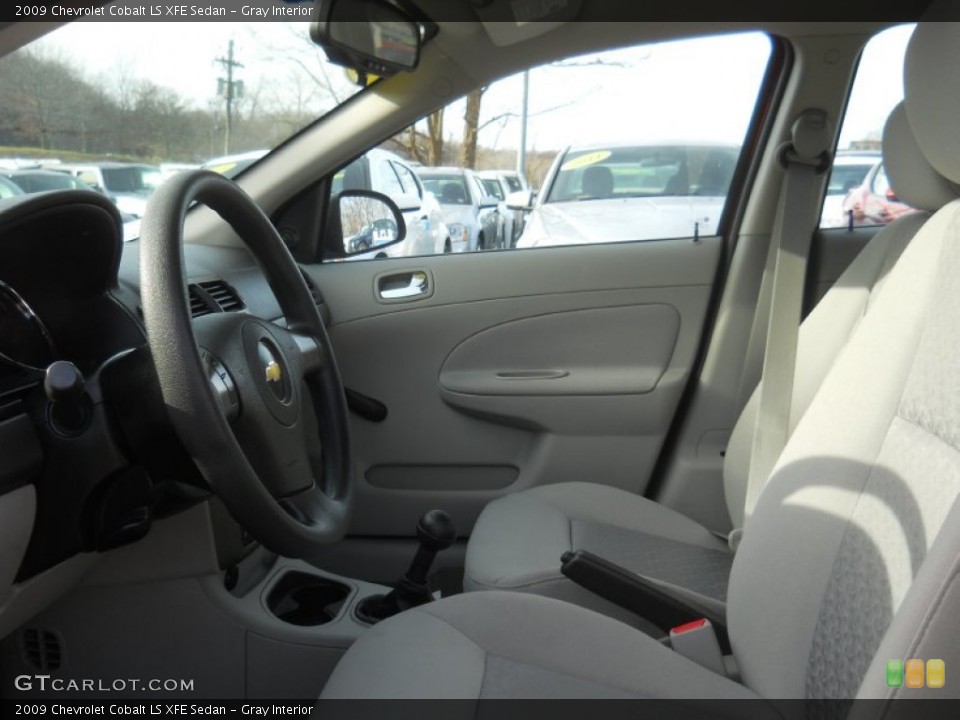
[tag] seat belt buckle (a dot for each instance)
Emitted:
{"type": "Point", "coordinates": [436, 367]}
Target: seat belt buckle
{"type": "Point", "coordinates": [697, 641]}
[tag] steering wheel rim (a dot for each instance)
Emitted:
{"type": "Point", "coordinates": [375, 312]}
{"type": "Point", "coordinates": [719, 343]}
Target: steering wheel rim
{"type": "Point", "coordinates": [248, 431]}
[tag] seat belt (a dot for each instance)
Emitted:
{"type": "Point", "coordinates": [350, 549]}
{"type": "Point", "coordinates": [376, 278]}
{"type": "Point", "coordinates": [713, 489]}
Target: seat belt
{"type": "Point", "coordinates": [805, 158]}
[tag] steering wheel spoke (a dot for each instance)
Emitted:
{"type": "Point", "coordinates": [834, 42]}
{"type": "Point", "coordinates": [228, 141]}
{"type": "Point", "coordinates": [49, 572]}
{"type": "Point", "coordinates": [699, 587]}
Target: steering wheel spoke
{"type": "Point", "coordinates": [312, 358]}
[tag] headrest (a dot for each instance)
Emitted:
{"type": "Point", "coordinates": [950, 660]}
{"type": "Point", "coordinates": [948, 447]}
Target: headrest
{"type": "Point", "coordinates": [932, 84]}
{"type": "Point", "coordinates": [598, 181]}
{"type": "Point", "coordinates": [911, 176]}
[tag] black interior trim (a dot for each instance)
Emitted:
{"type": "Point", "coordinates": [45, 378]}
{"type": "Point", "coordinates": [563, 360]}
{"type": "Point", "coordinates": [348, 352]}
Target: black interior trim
{"type": "Point", "coordinates": [638, 594]}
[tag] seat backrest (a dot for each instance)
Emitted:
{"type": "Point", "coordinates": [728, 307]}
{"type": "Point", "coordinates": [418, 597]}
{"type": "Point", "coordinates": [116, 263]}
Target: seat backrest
{"type": "Point", "coordinates": [679, 184]}
{"type": "Point", "coordinates": [597, 182]}
{"type": "Point", "coordinates": [831, 323]}
{"type": "Point", "coordinates": [852, 556]}
{"type": "Point", "coordinates": [353, 176]}
{"type": "Point", "coordinates": [453, 194]}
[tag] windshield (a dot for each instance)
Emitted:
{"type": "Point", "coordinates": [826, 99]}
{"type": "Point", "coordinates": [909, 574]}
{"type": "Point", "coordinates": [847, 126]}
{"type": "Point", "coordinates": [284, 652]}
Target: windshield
{"type": "Point", "coordinates": [36, 182]}
{"type": "Point", "coordinates": [128, 104]}
{"type": "Point", "coordinates": [449, 189]}
{"type": "Point", "coordinates": [844, 178]}
{"type": "Point", "coordinates": [656, 170]}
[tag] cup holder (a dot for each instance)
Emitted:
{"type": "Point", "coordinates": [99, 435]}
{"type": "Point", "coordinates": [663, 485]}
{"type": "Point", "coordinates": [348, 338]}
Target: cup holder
{"type": "Point", "coordinates": [306, 600]}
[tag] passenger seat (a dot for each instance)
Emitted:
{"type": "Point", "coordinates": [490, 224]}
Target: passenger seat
{"type": "Point", "coordinates": [849, 564]}
{"type": "Point", "coordinates": [518, 539]}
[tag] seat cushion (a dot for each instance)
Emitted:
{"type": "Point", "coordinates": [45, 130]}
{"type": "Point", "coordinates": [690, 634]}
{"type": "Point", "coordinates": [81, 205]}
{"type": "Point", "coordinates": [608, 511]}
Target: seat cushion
{"type": "Point", "coordinates": [517, 542]}
{"type": "Point", "coordinates": [473, 646]}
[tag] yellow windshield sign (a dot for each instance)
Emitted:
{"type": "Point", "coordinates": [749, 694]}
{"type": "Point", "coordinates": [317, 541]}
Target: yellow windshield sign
{"type": "Point", "coordinates": [224, 168]}
{"type": "Point", "coordinates": [361, 80]}
{"type": "Point", "coordinates": [582, 161]}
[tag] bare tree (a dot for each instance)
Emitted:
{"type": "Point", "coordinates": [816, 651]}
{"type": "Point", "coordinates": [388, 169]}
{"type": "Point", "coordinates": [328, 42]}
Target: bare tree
{"type": "Point", "coordinates": [471, 129]}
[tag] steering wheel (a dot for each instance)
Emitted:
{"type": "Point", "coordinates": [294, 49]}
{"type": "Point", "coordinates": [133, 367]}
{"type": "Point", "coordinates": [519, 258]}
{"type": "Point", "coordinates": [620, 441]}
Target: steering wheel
{"type": "Point", "coordinates": [236, 387]}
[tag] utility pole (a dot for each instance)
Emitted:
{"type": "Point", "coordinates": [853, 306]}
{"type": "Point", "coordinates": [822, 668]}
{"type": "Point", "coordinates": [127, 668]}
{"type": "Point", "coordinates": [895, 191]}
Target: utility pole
{"type": "Point", "coordinates": [229, 89]}
{"type": "Point", "coordinates": [522, 152]}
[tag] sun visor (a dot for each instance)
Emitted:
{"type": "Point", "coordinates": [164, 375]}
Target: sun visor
{"type": "Point", "coordinates": [508, 22]}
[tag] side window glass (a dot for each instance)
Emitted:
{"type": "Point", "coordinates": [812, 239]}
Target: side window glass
{"type": "Point", "coordinates": [513, 182]}
{"type": "Point", "coordinates": [858, 192]}
{"type": "Point", "coordinates": [491, 186]}
{"type": "Point", "coordinates": [389, 182]}
{"type": "Point", "coordinates": [601, 164]}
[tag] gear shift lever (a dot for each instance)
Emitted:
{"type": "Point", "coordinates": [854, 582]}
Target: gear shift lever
{"type": "Point", "coordinates": [436, 532]}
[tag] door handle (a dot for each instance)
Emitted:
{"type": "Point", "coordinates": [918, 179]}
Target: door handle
{"type": "Point", "coordinates": [403, 286]}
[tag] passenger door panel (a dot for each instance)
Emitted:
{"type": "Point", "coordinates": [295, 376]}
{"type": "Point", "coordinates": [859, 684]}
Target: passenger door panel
{"type": "Point", "coordinates": [520, 368]}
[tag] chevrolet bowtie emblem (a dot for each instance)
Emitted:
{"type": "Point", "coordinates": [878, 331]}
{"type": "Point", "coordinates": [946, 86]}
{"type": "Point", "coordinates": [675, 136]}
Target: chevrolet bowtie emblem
{"type": "Point", "coordinates": [273, 371]}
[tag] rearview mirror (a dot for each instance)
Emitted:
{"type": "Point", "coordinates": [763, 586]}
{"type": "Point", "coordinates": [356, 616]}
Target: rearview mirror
{"type": "Point", "coordinates": [366, 221]}
{"type": "Point", "coordinates": [372, 37]}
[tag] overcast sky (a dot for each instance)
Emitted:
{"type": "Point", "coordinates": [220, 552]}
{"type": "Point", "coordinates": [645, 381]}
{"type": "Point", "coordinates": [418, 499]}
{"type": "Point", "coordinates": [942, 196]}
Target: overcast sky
{"type": "Point", "coordinates": [690, 90]}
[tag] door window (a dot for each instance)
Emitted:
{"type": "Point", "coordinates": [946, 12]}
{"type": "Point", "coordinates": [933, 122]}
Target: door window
{"type": "Point", "coordinates": [614, 152]}
{"type": "Point", "coordinates": [858, 191]}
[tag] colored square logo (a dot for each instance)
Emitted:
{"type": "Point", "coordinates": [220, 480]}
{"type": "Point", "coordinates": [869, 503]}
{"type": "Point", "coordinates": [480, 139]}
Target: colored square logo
{"type": "Point", "coordinates": [894, 673]}
{"type": "Point", "coordinates": [914, 674]}
{"type": "Point", "coordinates": [936, 673]}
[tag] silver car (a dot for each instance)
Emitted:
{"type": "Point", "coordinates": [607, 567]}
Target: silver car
{"type": "Point", "coordinates": [472, 215]}
{"type": "Point", "coordinates": [619, 193]}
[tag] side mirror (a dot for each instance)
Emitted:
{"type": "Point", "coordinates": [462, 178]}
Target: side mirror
{"type": "Point", "coordinates": [365, 220]}
{"type": "Point", "coordinates": [489, 201]}
{"type": "Point", "coordinates": [372, 37]}
{"type": "Point", "coordinates": [408, 202]}
{"type": "Point", "coordinates": [521, 200]}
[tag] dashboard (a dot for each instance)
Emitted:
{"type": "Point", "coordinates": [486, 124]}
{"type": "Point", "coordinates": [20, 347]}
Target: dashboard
{"type": "Point", "coordinates": [103, 460]}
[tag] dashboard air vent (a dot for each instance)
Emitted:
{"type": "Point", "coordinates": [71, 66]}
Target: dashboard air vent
{"type": "Point", "coordinates": [41, 650]}
{"type": "Point", "coordinates": [223, 295]}
{"type": "Point", "coordinates": [198, 302]}
{"type": "Point", "coordinates": [213, 296]}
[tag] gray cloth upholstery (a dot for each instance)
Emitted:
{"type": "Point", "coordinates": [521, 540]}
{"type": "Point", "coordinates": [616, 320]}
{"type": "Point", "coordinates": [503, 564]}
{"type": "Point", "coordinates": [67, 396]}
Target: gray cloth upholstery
{"type": "Point", "coordinates": [911, 176]}
{"type": "Point", "coordinates": [932, 86]}
{"type": "Point", "coordinates": [860, 493]}
{"type": "Point", "coordinates": [518, 540]}
{"type": "Point", "coordinates": [474, 646]}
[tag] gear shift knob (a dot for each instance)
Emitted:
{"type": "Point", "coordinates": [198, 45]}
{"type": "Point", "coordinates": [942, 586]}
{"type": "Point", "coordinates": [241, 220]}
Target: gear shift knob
{"type": "Point", "coordinates": [436, 531]}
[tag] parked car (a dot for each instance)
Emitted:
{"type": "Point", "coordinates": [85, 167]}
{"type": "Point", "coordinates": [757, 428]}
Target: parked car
{"type": "Point", "coordinates": [8, 188]}
{"type": "Point", "coordinates": [370, 236]}
{"type": "Point", "coordinates": [471, 214]}
{"type": "Point", "coordinates": [128, 185]}
{"type": "Point", "coordinates": [874, 202]}
{"type": "Point", "coordinates": [31, 181]}
{"type": "Point", "coordinates": [233, 165]}
{"type": "Point", "coordinates": [619, 193]}
{"type": "Point", "coordinates": [849, 171]}
{"type": "Point", "coordinates": [168, 170]}
{"type": "Point", "coordinates": [501, 184]}
{"type": "Point", "coordinates": [385, 172]}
